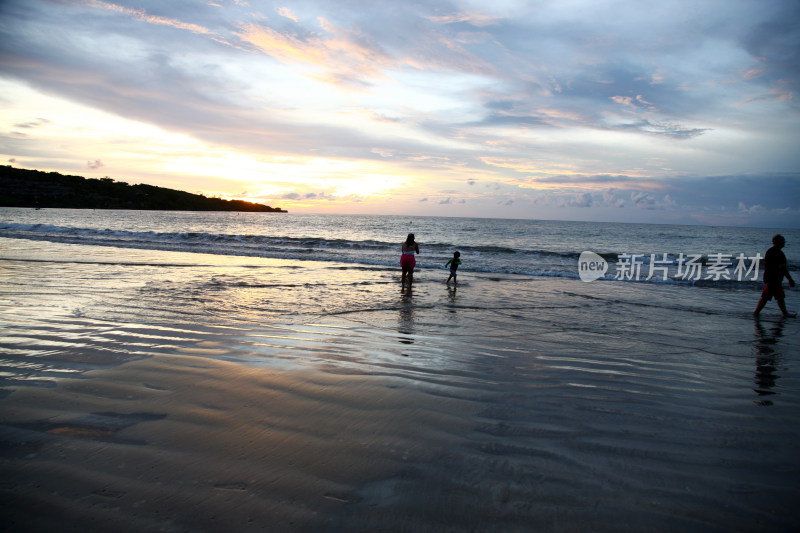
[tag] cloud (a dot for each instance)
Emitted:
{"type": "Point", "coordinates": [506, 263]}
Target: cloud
{"type": "Point", "coordinates": [663, 129]}
{"type": "Point", "coordinates": [579, 200]}
{"type": "Point", "coordinates": [776, 94]}
{"type": "Point", "coordinates": [382, 153]}
{"type": "Point", "coordinates": [311, 195]}
{"type": "Point", "coordinates": [574, 101]}
{"type": "Point", "coordinates": [753, 73]}
{"type": "Point", "coordinates": [474, 18]}
{"type": "Point", "coordinates": [32, 124]}
{"type": "Point", "coordinates": [610, 199]}
{"type": "Point", "coordinates": [643, 200]}
{"type": "Point", "coordinates": [774, 40]}
{"type": "Point", "coordinates": [624, 100]}
{"type": "Point", "coordinates": [630, 101]}
{"type": "Point", "coordinates": [142, 15]}
{"type": "Point", "coordinates": [286, 12]}
{"type": "Point", "coordinates": [94, 165]}
{"type": "Point", "coordinates": [641, 100]}
{"type": "Point", "coordinates": [754, 209]}
{"type": "Point", "coordinates": [342, 56]}
{"type": "Point", "coordinates": [563, 179]}
{"type": "Point", "coordinates": [564, 200]}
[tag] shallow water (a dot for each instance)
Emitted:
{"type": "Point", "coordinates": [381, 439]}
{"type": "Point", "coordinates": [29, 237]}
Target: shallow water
{"type": "Point", "coordinates": [603, 406]}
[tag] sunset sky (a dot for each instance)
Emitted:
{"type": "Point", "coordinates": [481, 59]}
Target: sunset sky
{"type": "Point", "coordinates": [672, 111]}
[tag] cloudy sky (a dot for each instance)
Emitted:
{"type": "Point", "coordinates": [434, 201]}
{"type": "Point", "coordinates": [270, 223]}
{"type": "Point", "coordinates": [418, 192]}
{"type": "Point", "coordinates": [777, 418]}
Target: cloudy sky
{"type": "Point", "coordinates": [671, 111]}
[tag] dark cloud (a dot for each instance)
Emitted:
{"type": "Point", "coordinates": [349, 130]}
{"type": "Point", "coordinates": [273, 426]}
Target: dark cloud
{"type": "Point", "coordinates": [311, 195]}
{"type": "Point", "coordinates": [772, 191]}
{"type": "Point", "coordinates": [774, 195]}
{"type": "Point", "coordinates": [578, 200]}
{"type": "Point", "coordinates": [776, 45]}
{"type": "Point", "coordinates": [644, 200]}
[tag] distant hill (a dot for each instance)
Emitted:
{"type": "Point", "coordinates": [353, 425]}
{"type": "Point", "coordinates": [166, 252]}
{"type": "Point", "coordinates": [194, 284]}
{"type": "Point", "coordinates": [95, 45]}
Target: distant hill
{"type": "Point", "coordinates": [33, 188]}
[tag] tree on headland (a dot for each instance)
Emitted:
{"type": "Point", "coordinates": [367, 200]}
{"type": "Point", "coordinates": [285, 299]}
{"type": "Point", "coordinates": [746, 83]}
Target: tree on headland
{"type": "Point", "coordinates": [33, 188]}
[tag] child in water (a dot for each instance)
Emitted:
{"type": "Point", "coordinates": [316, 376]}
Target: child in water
{"type": "Point", "coordinates": [454, 262]}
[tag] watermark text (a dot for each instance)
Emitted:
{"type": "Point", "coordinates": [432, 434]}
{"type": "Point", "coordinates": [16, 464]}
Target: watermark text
{"type": "Point", "coordinates": [681, 267]}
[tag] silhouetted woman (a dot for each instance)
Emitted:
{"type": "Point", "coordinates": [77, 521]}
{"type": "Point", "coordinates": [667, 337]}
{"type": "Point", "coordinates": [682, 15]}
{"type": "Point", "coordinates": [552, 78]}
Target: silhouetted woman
{"type": "Point", "coordinates": [407, 260]}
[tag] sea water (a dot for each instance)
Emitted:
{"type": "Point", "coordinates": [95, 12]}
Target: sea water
{"type": "Point", "coordinates": [499, 246]}
{"type": "Point", "coordinates": [654, 398]}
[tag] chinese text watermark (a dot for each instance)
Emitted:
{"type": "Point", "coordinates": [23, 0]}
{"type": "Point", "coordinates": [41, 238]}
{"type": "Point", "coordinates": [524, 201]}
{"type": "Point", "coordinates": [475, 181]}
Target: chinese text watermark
{"type": "Point", "coordinates": [683, 267]}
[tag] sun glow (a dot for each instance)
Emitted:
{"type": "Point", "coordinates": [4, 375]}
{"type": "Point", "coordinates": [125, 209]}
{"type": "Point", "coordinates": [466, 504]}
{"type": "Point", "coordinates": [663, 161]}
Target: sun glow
{"type": "Point", "coordinates": [146, 151]}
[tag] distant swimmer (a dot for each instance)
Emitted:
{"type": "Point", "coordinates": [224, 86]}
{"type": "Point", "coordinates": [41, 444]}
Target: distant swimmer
{"type": "Point", "coordinates": [407, 259]}
{"type": "Point", "coordinates": [774, 272]}
{"type": "Point", "coordinates": [453, 263]}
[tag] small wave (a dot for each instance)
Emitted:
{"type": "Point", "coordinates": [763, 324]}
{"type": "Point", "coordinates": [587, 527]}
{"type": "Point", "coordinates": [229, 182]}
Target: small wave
{"type": "Point", "coordinates": [368, 253]}
{"type": "Point", "coordinates": [107, 263]}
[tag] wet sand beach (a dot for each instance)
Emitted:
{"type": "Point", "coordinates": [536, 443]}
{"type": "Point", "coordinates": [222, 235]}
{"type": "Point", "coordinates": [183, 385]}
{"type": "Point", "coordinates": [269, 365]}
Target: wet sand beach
{"type": "Point", "coordinates": [177, 443]}
{"type": "Point", "coordinates": [161, 391]}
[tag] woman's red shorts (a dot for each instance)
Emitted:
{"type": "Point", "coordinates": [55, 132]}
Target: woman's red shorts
{"type": "Point", "coordinates": [408, 261]}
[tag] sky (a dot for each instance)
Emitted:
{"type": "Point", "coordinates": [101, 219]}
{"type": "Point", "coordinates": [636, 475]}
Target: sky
{"type": "Point", "coordinates": [665, 111]}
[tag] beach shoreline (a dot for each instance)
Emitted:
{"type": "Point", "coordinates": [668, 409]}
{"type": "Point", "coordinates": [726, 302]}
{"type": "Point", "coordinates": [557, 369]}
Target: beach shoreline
{"type": "Point", "coordinates": [173, 391]}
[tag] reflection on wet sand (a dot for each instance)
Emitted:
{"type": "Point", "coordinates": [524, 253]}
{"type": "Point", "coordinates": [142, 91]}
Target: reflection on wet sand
{"type": "Point", "coordinates": [405, 317]}
{"type": "Point", "coordinates": [451, 296]}
{"type": "Point", "coordinates": [767, 359]}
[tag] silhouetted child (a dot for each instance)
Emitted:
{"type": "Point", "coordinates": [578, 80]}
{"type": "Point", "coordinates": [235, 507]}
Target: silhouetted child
{"type": "Point", "coordinates": [453, 263]}
{"type": "Point", "coordinates": [774, 272]}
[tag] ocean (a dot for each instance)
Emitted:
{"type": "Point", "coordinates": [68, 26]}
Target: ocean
{"type": "Point", "coordinates": [579, 376]}
{"type": "Point", "coordinates": [496, 246]}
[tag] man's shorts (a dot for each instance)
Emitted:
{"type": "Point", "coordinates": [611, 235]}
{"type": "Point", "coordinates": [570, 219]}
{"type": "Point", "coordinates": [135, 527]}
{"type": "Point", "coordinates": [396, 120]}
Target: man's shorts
{"type": "Point", "coordinates": [770, 292]}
